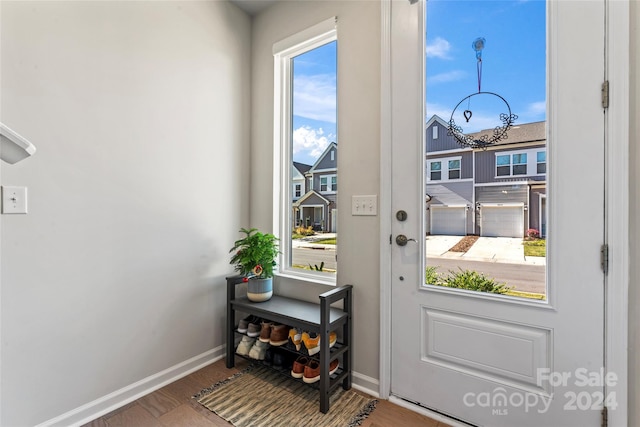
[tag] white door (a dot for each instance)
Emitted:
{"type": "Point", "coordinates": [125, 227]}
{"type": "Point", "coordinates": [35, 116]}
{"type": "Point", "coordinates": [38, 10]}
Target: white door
{"type": "Point", "coordinates": [495, 360]}
{"type": "Point", "coordinates": [502, 220]}
{"type": "Point", "coordinates": [448, 220]}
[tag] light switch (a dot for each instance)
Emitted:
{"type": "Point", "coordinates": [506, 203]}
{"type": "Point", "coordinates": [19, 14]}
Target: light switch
{"type": "Point", "coordinates": [14, 200]}
{"type": "Point", "coordinates": [364, 205]}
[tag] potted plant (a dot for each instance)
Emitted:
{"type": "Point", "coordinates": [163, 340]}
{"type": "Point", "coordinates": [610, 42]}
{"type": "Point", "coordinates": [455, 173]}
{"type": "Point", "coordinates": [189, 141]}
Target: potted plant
{"type": "Point", "coordinates": [254, 257]}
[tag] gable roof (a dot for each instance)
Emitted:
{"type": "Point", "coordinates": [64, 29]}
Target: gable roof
{"type": "Point", "coordinates": [323, 155]}
{"type": "Point", "coordinates": [526, 132]}
{"type": "Point", "coordinates": [301, 200]}
{"type": "Point", "coordinates": [436, 118]}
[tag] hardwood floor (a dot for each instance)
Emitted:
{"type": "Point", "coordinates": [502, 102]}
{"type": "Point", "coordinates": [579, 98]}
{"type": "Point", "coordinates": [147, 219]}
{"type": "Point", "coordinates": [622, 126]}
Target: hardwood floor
{"type": "Point", "coordinates": [172, 406]}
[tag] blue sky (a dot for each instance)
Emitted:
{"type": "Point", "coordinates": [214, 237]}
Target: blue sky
{"type": "Point", "coordinates": [513, 66]}
{"type": "Point", "coordinates": [513, 60]}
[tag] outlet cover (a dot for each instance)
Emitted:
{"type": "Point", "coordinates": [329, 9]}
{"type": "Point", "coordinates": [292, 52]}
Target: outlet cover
{"type": "Point", "coordinates": [14, 200]}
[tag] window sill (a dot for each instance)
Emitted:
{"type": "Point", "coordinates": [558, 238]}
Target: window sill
{"type": "Point", "coordinates": [317, 279]}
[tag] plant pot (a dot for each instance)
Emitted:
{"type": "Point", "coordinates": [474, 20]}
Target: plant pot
{"type": "Point", "coordinates": [259, 290]}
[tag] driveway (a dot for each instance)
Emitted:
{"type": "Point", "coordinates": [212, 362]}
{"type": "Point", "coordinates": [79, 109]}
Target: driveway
{"type": "Point", "coordinates": [486, 249]}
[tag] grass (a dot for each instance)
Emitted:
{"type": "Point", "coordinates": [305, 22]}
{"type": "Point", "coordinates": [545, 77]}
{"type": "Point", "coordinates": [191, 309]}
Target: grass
{"type": "Point", "coordinates": [535, 247]}
{"type": "Point", "coordinates": [327, 241]}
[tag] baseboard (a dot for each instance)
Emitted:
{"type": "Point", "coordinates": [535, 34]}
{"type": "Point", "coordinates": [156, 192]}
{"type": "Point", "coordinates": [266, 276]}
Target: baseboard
{"type": "Point", "coordinates": [365, 384]}
{"type": "Point", "coordinates": [119, 398]}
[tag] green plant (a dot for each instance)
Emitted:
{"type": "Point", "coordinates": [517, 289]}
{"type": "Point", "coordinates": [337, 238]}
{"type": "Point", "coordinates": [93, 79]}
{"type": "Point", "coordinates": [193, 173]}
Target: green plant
{"type": "Point", "coordinates": [431, 276]}
{"type": "Point", "coordinates": [255, 254]}
{"type": "Point", "coordinates": [473, 281]}
{"type": "Point", "coordinates": [316, 268]}
{"type": "Point", "coordinates": [303, 232]}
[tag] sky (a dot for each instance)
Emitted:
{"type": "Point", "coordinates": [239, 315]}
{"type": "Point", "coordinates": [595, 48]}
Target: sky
{"type": "Point", "coordinates": [513, 66]}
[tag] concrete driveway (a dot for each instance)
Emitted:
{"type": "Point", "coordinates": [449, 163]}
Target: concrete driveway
{"type": "Point", "coordinates": [487, 249]}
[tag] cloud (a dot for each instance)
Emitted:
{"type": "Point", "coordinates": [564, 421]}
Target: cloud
{"type": "Point", "coordinates": [310, 141]}
{"type": "Point", "coordinates": [537, 108]}
{"type": "Point", "coordinates": [450, 76]}
{"type": "Point", "coordinates": [314, 97]}
{"type": "Point", "coordinates": [438, 48]}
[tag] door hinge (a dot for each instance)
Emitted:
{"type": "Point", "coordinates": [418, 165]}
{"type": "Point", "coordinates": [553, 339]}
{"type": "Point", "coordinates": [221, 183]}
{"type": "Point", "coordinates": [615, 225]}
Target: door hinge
{"type": "Point", "coordinates": [605, 417]}
{"type": "Point", "coordinates": [605, 94]}
{"type": "Point", "coordinates": [604, 258]}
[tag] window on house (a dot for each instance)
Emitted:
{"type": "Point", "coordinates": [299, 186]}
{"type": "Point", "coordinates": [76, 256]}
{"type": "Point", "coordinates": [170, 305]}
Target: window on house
{"type": "Point", "coordinates": [435, 171]}
{"type": "Point", "coordinates": [541, 159]}
{"type": "Point", "coordinates": [435, 132]}
{"type": "Point", "coordinates": [520, 164]}
{"type": "Point", "coordinates": [454, 169]}
{"type": "Point", "coordinates": [305, 74]}
{"type": "Point", "coordinates": [503, 165]}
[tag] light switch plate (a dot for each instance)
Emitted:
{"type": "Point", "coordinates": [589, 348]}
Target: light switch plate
{"type": "Point", "coordinates": [14, 200]}
{"type": "Point", "coordinates": [364, 205]}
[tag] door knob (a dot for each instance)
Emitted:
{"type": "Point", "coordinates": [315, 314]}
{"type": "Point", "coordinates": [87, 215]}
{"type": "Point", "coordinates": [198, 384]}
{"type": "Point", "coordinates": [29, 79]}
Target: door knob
{"type": "Point", "coordinates": [402, 240]}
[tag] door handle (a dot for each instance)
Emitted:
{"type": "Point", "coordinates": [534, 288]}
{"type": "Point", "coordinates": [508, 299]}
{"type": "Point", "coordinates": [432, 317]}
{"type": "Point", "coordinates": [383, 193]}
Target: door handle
{"type": "Point", "coordinates": [401, 240]}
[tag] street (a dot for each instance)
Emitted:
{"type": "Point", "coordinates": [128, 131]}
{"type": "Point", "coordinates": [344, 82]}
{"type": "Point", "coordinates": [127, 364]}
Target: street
{"type": "Point", "coordinates": [310, 256]}
{"type": "Point", "coordinates": [524, 277]}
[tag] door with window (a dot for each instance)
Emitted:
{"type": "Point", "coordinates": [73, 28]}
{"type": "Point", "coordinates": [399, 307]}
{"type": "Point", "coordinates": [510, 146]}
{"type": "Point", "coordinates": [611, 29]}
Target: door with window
{"type": "Point", "coordinates": [497, 359]}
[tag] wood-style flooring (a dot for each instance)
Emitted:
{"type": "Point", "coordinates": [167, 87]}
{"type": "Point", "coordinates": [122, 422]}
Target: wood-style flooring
{"type": "Point", "coordinates": [172, 406]}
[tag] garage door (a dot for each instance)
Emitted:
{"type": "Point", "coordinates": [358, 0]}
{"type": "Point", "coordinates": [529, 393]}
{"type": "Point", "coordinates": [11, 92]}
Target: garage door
{"type": "Point", "coordinates": [449, 220]}
{"type": "Point", "coordinates": [502, 220]}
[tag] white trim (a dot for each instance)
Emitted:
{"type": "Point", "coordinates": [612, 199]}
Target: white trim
{"type": "Point", "coordinates": [365, 383]}
{"type": "Point", "coordinates": [444, 173]}
{"type": "Point", "coordinates": [507, 183]}
{"type": "Point", "coordinates": [446, 152]}
{"type": "Point", "coordinates": [105, 404]}
{"type": "Point", "coordinates": [617, 219]}
{"type": "Point", "coordinates": [385, 199]}
{"type": "Point", "coordinates": [313, 37]}
{"type": "Point", "coordinates": [314, 171]}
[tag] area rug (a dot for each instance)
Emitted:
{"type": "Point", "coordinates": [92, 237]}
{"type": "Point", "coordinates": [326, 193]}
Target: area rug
{"type": "Point", "coordinates": [260, 396]}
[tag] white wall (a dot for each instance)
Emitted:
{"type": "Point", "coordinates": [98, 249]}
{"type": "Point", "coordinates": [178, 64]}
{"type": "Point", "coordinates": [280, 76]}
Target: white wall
{"type": "Point", "coordinates": [139, 112]}
{"type": "Point", "coordinates": [634, 216]}
{"type": "Point", "coordinates": [358, 142]}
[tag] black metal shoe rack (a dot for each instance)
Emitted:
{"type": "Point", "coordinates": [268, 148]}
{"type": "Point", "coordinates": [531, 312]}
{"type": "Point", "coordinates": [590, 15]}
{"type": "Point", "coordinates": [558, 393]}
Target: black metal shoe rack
{"type": "Point", "coordinates": [320, 318]}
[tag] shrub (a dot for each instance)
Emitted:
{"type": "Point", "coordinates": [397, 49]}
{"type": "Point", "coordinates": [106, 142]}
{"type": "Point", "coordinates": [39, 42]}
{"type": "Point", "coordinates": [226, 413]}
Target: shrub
{"type": "Point", "coordinates": [473, 281]}
{"type": "Point", "coordinates": [431, 276]}
{"type": "Point", "coordinates": [303, 231]}
{"type": "Point", "coordinates": [532, 233]}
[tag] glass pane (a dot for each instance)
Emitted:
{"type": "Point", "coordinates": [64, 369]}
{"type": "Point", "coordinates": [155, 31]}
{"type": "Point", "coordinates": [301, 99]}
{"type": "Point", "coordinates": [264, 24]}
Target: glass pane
{"type": "Point", "coordinates": [503, 160]}
{"type": "Point", "coordinates": [314, 147]}
{"type": "Point", "coordinates": [487, 232]}
{"type": "Point", "coordinates": [436, 166]}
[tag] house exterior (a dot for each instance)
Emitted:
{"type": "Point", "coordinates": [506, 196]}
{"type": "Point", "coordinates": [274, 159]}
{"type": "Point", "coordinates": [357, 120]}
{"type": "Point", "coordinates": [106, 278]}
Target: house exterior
{"type": "Point", "coordinates": [498, 191]}
{"type": "Point", "coordinates": [315, 192]}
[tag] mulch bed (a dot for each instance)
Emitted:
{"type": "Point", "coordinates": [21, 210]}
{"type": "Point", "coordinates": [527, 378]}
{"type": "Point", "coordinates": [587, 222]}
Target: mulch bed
{"type": "Point", "coordinates": [465, 244]}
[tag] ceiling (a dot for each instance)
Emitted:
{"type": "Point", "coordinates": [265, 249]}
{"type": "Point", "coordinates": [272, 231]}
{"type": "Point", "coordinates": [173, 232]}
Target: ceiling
{"type": "Point", "coordinates": [253, 7]}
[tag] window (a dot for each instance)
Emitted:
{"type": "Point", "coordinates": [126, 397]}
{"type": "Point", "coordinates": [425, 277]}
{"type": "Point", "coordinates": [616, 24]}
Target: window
{"type": "Point", "coordinates": [444, 169]}
{"type": "Point", "coordinates": [436, 171]}
{"type": "Point", "coordinates": [435, 131]}
{"type": "Point", "coordinates": [305, 134]}
{"type": "Point", "coordinates": [328, 184]}
{"type": "Point", "coordinates": [541, 159]}
{"type": "Point", "coordinates": [521, 163]}
{"type": "Point", "coordinates": [454, 169]}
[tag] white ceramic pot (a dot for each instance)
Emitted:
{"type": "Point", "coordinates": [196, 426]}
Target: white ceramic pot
{"type": "Point", "coordinates": [259, 290]}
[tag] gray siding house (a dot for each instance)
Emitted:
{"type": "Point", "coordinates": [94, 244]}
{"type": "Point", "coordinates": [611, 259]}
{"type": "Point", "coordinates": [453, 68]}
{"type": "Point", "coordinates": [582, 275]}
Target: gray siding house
{"type": "Point", "coordinates": [499, 191]}
{"type": "Point", "coordinates": [317, 207]}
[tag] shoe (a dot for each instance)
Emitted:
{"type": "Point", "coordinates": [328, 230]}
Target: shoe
{"type": "Point", "coordinates": [265, 332]}
{"type": "Point", "coordinates": [279, 335]}
{"type": "Point", "coordinates": [243, 325]}
{"type": "Point", "coordinates": [297, 371]}
{"type": "Point", "coordinates": [259, 350]}
{"type": "Point", "coordinates": [312, 370]}
{"type": "Point", "coordinates": [313, 344]}
{"type": "Point", "coordinates": [296, 337]}
{"type": "Point", "coordinates": [253, 329]}
{"type": "Point", "coordinates": [245, 346]}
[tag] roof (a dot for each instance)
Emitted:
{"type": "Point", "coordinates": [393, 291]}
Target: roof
{"type": "Point", "coordinates": [526, 132]}
{"type": "Point", "coordinates": [302, 167]}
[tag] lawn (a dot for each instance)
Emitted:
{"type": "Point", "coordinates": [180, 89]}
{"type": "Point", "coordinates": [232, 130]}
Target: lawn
{"type": "Point", "coordinates": [535, 247]}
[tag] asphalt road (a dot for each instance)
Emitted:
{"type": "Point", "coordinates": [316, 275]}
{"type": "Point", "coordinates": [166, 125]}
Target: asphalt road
{"type": "Point", "coordinates": [524, 277]}
{"type": "Point", "coordinates": [308, 256]}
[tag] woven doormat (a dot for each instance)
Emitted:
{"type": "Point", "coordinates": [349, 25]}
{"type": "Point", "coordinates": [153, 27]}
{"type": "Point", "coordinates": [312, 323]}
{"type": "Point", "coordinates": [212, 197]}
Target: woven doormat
{"type": "Point", "coordinates": [259, 396]}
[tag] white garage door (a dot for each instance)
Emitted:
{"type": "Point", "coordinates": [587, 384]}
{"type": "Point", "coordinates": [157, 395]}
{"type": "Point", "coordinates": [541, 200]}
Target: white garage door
{"type": "Point", "coordinates": [449, 220]}
{"type": "Point", "coordinates": [502, 220]}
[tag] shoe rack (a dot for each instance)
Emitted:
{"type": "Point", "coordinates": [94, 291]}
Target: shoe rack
{"type": "Point", "coordinates": [320, 318]}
